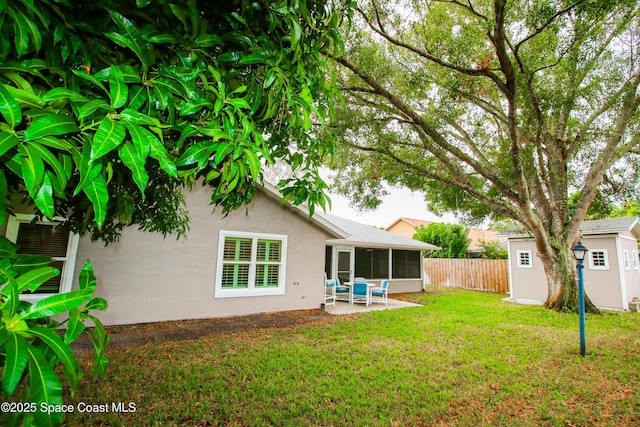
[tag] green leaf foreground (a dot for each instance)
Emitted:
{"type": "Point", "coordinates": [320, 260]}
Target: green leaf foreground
{"type": "Point", "coordinates": [24, 342]}
{"type": "Point", "coordinates": [179, 72]}
{"type": "Point", "coordinates": [31, 280]}
{"type": "Point", "coordinates": [9, 107]}
{"type": "Point", "coordinates": [16, 358]}
{"type": "Point", "coordinates": [108, 113]}
{"type": "Point", "coordinates": [52, 124]}
{"type": "Point", "coordinates": [44, 387]}
{"type": "Point", "coordinates": [56, 304]}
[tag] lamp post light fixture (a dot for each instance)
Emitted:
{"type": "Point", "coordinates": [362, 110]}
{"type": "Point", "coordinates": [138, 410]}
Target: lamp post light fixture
{"type": "Point", "coordinates": [579, 252]}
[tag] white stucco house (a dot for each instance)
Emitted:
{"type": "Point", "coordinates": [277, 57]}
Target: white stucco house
{"type": "Point", "coordinates": [611, 269]}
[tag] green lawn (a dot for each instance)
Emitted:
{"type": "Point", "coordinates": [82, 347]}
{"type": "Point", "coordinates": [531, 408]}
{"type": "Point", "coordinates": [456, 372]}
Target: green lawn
{"type": "Point", "coordinates": [462, 359]}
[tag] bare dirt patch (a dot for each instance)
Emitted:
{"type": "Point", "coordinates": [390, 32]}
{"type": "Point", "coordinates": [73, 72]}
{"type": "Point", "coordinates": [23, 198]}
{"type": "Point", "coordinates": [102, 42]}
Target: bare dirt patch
{"type": "Point", "coordinates": [180, 330]}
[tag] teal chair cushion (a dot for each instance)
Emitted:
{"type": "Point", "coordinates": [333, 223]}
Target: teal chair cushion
{"type": "Point", "coordinates": [360, 289]}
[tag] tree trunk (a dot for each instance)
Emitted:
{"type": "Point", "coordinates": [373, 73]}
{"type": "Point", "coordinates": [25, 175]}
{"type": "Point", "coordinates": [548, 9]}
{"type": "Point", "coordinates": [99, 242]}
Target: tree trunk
{"type": "Point", "coordinates": [562, 281]}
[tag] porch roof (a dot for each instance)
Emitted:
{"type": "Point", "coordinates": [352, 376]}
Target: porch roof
{"type": "Point", "coordinates": [368, 236]}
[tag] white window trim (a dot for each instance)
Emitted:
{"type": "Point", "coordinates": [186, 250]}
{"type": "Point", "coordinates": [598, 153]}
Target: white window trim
{"type": "Point", "coordinates": [625, 255]}
{"type": "Point", "coordinates": [68, 269]}
{"type": "Point", "coordinates": [251, 290]}
{"type": "Point", "coordinates": [599, 267]}
{"type": "Point", "coordinates": [634, 259]}
{"type": "Point", "coordinates": [519, 259]}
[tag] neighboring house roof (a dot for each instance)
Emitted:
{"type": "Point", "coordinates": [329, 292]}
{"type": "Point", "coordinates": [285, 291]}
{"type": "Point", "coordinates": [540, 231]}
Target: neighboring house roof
{"type": "Point", "coordinates": [411, 221]}
{"type": "Point", "coordinates": [596, 226]}
{"type": "Point", "coordinates": [475, 234]}
{"type": "Point", "coordinates": [366, 235]}
{"type": "Point", "coordinates": [329, 227]}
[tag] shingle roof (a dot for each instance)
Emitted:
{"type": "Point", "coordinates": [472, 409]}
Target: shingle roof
{"type": "Point", "coordinates": [331, 229]}
{"type": "Point", "coordinates": [366, 235]}
{"type": "Point", "coordinates": [597, 226]}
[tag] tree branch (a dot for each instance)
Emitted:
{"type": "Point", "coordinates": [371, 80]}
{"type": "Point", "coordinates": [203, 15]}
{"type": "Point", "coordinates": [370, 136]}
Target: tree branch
{"type": "Point", "coordinates": [550, 21]}
{"type": "Point", "coordinates": [498, 205]}
{"type": "Point", "coordinates": [428, 56]}
{"type": "Point", "coordinates": [430, 132]}
{"type": "Point", "coordinates": [610, 154]}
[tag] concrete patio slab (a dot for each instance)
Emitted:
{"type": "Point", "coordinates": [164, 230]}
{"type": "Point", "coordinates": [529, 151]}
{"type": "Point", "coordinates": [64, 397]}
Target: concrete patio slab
{"type": "Point", "coordinates": [343, 307]}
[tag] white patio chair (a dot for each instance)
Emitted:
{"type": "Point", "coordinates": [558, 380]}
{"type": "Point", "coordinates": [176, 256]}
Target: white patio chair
{"type": "Point", "coordinates": [342, 291]}
{"type": "Point", "coordinates": [379, 294]}
{"type": "Point", "coordinates": [360, 292]}
{"type": "Point", "coordinates": [329, 292]}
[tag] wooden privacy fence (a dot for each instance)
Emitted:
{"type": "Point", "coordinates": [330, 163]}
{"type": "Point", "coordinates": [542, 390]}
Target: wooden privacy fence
{"type": "Point", "coordinates": [491, 275]}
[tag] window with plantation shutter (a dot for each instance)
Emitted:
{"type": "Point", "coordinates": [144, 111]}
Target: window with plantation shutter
{"type": "Point", "coordinates": [250, 264]}
{"type": "Point", "coordinates": [236, 258]}
{"type": "Point", "coordinates": [268, 263]}
{"type": "Point", "coordinates": [48, 239]}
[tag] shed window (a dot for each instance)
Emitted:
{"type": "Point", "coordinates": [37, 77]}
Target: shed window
{"type": "Point", "coordinates": [524, 259]}
{"type": "Point", "coordinates": [634, 259]}
{"type": "Point", "coordinates": [627, 265]}
{"type": "Point", "coordinates": [598, 259]}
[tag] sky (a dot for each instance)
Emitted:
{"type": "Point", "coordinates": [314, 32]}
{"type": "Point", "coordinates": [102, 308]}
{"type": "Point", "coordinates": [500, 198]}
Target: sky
{"type": "Point", "coordinates": [399, 203]}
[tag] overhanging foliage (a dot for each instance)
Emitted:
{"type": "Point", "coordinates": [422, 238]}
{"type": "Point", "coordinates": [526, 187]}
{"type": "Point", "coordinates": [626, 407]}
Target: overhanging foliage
{"type": "Point", "coordinates": [109, 108]}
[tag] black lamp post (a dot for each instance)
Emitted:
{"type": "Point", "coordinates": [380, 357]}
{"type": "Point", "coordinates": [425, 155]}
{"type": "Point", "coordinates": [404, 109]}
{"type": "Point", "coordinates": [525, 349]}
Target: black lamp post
{"type": "Point", "coordinates": [579, 252]}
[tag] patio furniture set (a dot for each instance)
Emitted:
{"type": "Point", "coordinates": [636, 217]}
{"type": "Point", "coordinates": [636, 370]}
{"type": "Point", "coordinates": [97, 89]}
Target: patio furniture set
{"type": "Point", "coordinates": [358, 291]}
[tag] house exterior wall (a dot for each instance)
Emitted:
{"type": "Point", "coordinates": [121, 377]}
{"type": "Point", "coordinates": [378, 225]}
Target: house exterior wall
{"type": "Point", "coordinates": [603, 287]}
{"type": "Point", "coordinates": [529, 284]}
{"type": "Point", "coordinates": [610, 287]}
{"type": "Point", "coordinates": [405, 285]}
{"type": "Point", "coordinates": [631, 289]}
{"type": "Point", "coordinates": [146, 278]}
{"type": "Point", "coordinates": [402, 228]}
{"type": "Point", "coordinates": [401, 285]}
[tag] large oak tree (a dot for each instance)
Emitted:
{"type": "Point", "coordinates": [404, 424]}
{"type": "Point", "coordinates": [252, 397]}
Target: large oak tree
{"type": "Point", "coordinates": [494, 108]}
